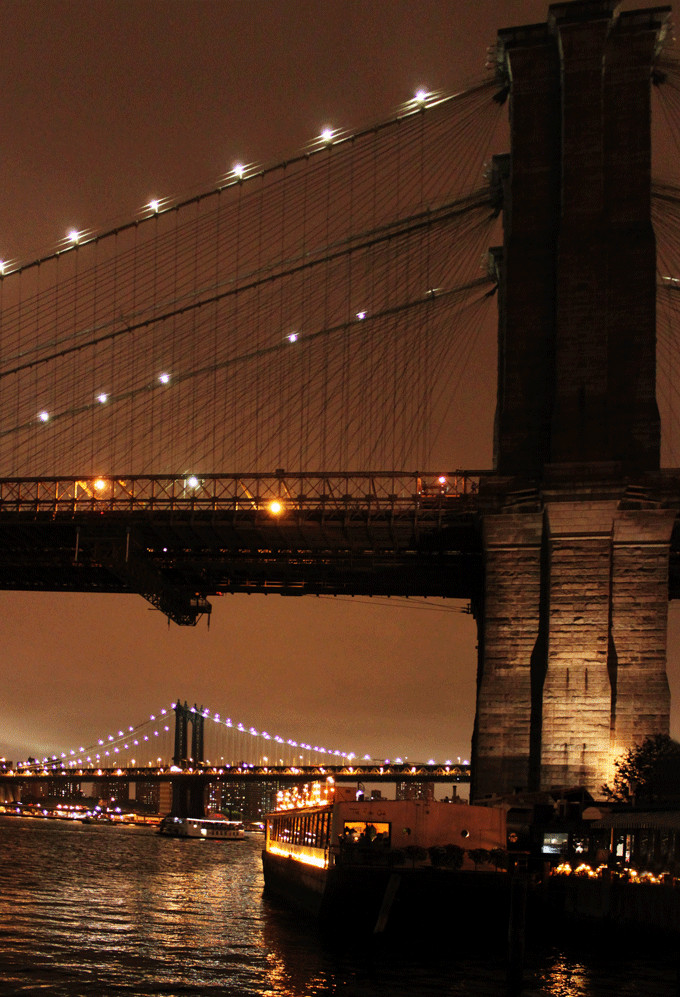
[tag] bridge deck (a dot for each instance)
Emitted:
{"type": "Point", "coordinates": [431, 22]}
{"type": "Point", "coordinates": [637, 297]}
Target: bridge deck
{"type": "Point", "coordinates": [383, 534]}
{"type": "Point", "coordinates": [179, 541]}
{"type": "Point", "coordinates": [387, 772]}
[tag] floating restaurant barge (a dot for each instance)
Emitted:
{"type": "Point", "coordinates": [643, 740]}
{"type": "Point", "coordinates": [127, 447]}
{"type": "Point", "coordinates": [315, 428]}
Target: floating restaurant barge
{"type": "Point", "coordinates": [376, 863]}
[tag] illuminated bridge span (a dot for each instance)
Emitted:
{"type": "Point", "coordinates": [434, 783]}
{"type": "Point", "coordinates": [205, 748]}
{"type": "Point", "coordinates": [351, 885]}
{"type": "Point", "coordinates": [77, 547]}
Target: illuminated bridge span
{"type": "Point", "coordinates": [180, 757]}
{"type": "Point", "coordinates": [182, 396]}
{"type": "Point", "coordinates": [196, 739]}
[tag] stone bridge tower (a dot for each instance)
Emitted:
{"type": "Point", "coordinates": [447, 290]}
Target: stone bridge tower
{"type": "Point", "coordinates": [572, 619]}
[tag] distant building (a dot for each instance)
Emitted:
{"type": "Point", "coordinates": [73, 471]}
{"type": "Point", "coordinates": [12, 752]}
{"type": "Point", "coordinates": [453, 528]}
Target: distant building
{"type": "Point", "coordinates": [112, 790]}
{"type": "Point", "coordinates": [251, 799]}
{"type": "Point", "coordinates": [52, 789]}
{"type": "Point", "coordinates": [416, 790]}
{"type": "Point", "coordinates": [148, 794]}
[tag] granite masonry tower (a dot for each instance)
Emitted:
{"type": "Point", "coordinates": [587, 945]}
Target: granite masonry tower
{"type": "Point", "coordinates": [572, 618]}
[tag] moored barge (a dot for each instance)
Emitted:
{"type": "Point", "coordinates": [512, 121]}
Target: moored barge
{"type": "Point", "coordinates": [377, 863]}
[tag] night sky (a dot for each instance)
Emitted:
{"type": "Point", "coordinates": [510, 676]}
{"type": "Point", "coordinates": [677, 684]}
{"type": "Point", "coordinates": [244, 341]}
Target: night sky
{"type": "Point", "coordinates": [106, 105]}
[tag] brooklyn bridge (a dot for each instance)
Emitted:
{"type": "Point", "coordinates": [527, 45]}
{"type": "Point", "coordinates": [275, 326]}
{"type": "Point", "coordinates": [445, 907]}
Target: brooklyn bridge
{"type": "Point", "coordinates": [249, 390]}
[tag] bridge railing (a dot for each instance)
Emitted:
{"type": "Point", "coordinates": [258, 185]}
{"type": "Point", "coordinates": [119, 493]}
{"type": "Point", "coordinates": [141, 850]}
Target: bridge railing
{"type": "Point", "coordinates": [276, 493]}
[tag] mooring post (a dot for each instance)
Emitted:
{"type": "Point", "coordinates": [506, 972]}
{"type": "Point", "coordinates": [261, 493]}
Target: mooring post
{"type": "Point", "coordinates": [517, 925]}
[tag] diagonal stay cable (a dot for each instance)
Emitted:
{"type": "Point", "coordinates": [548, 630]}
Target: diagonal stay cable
{"type": "Point", "coordinates": [353, 323]}
{"type": "Point", "coordinates": [409, 227]}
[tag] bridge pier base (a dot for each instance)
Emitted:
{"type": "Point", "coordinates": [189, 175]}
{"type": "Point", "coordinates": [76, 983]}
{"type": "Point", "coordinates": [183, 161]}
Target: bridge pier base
{"type": "Point", "coordinates": [572, 640]}
{"type": "Point", "coordinates": [572, 618]}
{"type": "Point", "coordinates": [188, 797]}
{"type": "Point", "coordinates": [508, 626]}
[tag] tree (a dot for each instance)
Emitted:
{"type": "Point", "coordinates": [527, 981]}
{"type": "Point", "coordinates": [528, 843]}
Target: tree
{"type": "Point", "coordinates": [647, 773]}
{"type": "Point", "coordinates": [480, 856]}
{"type": "Point", "coordinates": [454, 856]}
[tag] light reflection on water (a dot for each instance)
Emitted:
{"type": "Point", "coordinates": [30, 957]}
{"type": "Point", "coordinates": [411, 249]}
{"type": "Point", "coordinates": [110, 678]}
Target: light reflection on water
{"type": "Point", "coordinates": [121, 911]}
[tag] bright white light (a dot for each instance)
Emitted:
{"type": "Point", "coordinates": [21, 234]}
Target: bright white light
{"type": "Point", "coordinates": [441, 479]}
{"type": "Point", "coordinates": [361, 315]}
{"type": "Point", "coordinates": [420, 96]}
{"type": "Point", "coordinates": [192, 482]}
{"type": "Point", "coordinates": [73, 236]}
{"type": "Point", "coordinates": [102, 398]}
{"type": "Point", "coordinates": [293, 337]}
{"type": "Point", "coordinates": [164, 378]}
{"type": "Point", "coordinates": [239, 169]}
{"type": "Point", "coordinates": [44, 416]}
{"type": "Point", "coordinates": [327, 135]}
{"type": "Point", "coordinates": [2, 267]}
{"type": "Point", "coordinates": [155, 206]}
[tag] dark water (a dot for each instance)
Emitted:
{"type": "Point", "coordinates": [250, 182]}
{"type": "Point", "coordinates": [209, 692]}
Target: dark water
{"type": "Point", "coordinates": [103, 910]}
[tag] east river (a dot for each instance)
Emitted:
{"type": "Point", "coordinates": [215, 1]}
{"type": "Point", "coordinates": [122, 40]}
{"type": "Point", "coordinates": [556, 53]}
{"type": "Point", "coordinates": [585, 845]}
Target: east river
{"type": "Point", "coordinates": [102, 910]}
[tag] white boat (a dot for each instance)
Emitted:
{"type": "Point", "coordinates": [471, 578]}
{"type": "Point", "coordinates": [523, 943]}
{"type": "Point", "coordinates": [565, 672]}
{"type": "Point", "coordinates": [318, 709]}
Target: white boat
{"type": "Point", "coordinates": [215, 828]}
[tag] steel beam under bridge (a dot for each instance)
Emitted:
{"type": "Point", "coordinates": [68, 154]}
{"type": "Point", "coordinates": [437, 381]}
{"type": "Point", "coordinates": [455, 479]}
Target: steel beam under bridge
{"type": "Point", "coordinates": [177, 541]}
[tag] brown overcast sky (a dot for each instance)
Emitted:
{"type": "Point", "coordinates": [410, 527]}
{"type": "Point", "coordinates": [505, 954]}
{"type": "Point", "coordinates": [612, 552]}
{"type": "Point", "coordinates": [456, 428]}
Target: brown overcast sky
{"type": "Point", "coordinates": [105, 105]}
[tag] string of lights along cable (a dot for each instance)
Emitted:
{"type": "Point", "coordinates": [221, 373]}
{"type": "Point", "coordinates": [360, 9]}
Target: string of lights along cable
{"type": "Point", "coordinates": [316, 313]}
{"type": "Point", "coordinates": [229, 743]}
{"type": "Point", "coordinates": [320, 313]}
